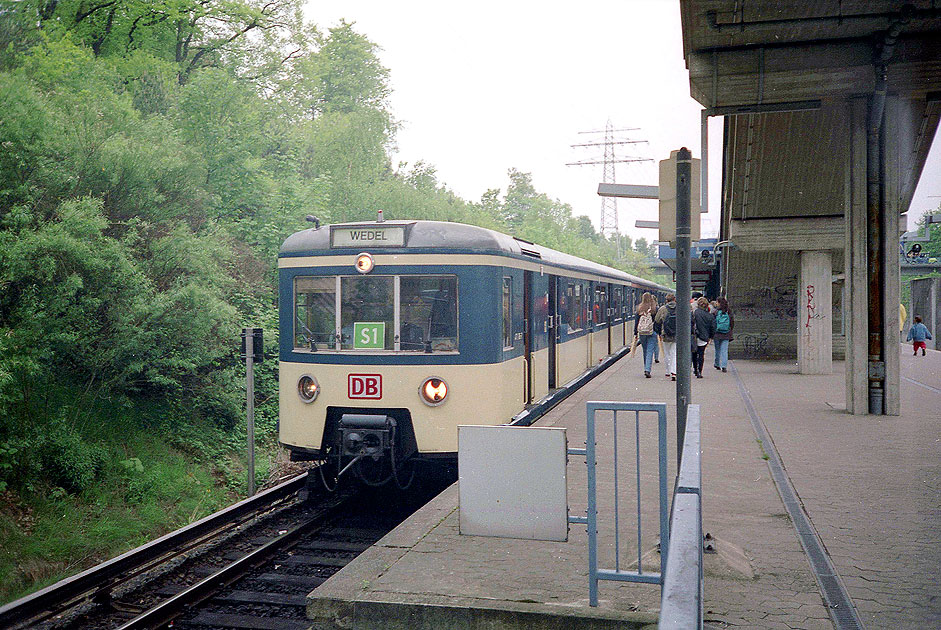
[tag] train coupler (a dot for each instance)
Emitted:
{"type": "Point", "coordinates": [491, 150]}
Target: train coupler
{"type": "Point", "coordinates": [364, 435]}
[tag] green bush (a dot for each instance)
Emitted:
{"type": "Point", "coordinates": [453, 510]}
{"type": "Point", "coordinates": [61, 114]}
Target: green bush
{"type": "Point", "coordinates": [68, 461]}
{"type": "Point", "coordinates": [18, 462]}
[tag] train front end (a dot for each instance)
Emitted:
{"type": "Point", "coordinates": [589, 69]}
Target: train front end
{"type": "Point", "coordinates": [378, 365]}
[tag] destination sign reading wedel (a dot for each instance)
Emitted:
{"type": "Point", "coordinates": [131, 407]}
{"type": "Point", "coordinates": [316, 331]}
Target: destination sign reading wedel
{"type": "Point", "coordinates": [390, 236]}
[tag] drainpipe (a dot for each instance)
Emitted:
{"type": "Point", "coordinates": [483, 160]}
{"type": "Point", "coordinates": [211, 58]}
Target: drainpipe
{"type": "Point", "coordinates": [874, 219]}
{"type": "Point", "coordinates": [876, 211]}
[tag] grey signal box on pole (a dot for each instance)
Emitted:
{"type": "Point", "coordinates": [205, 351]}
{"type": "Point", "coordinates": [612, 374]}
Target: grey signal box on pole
{"type": "Point", "coordinates": [668, 199]}
{"type": "Point", "coordinates": [258, 344]}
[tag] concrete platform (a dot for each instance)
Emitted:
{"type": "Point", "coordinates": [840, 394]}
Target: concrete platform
{"type": "Point", "coordinates": [871, 485]}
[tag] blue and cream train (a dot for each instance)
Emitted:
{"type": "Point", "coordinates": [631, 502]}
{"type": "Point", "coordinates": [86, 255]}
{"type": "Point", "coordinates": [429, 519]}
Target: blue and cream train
{"type": "Point", "coordinates": [393, 333]}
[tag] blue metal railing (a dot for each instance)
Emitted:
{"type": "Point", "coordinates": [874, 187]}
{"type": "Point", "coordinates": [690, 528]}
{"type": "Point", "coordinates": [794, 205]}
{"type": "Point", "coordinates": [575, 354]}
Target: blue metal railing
{"type": "Point", "coordinates": [681, 600]}
{"type": "Point", "coordinates": [591, 520]}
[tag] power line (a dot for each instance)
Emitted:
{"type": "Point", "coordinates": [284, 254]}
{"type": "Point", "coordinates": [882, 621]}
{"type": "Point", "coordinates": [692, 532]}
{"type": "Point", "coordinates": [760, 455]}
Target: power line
{"type": "Point", "coordinates": [609, 161]}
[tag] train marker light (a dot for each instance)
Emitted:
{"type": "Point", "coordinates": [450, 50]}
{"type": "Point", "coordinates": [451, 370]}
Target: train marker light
{"type": "Point", "coordinates": [364, 263]}
{"type": "Point", "coordinates": [433, 391]}
{"type": "Point", "coordinates": [308, 388]}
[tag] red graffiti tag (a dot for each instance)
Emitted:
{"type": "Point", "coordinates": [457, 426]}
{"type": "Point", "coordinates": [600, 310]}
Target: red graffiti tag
{"type": "Point", "coordinates": [811, 305]}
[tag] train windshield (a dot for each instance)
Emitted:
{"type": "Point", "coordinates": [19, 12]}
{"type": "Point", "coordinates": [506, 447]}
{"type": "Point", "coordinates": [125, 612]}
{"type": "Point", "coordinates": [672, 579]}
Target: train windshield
{"type": "Point", "coordinates": [398, 313]}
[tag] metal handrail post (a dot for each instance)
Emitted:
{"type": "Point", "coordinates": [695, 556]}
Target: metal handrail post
{"type": "Point", "coordinates": [664, 511]}
{"type": "Point", "coordinates": [592, 511]}
{"type": "Point", "coordinates": [591, 519]}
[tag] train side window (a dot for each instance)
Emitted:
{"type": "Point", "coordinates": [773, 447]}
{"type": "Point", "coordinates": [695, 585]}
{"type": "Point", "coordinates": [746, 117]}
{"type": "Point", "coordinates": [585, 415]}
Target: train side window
{"type": "Point", "coordinates": [507, 312]}
{"type": "Point", "coordinates": [428, 307]}
{"type": "Point", "coordinates": [575, 306]}
{"type": "Point", "coordinates": [367, 304]}
{"type": "Point", "coordinates": [314, 312]}
{"type": "Point", "coordinates": [601, 305]}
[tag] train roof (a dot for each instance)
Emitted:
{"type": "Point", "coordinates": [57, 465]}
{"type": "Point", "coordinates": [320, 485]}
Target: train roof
{"type": "Point", "coordinates": [435, 236]}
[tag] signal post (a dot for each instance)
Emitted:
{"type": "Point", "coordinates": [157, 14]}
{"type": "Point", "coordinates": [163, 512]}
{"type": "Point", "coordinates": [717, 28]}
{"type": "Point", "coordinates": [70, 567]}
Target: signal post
{"type": "Point", "coordinates": [679, 225]}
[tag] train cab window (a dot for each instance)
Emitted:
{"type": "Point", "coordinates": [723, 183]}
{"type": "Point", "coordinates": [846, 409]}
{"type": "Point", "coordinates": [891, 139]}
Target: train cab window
{"type": "Point", "coordinates": [428, 313]}
{"type": "Point", "coordinates": [314, 312]}
{"type": "Point", "coordinates": [507, 312]}
{"type": "Point", "coordinates": [423, 307]}
{"type": "Point", "coordinates": [367, 313]}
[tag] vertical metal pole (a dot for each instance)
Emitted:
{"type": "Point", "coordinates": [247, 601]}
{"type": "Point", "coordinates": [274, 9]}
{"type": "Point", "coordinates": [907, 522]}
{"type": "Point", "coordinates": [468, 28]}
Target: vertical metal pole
{"type": "Point", "coordinates": [704, 162]}
{"type": "Point", "coordinates": [250, 406]}
{"type": "Point", "coordinates": [664, 514]}
{"type": "Point", "coordinates": [617, 527]}
{"type": "Point", "coordinates": [397, 312]}
{"type": "Point", "coordinates": [683, 290]}
{"type": "Point", "coordinates": [592, 512]}
{"type": "Point", "coordinates": [640, 568]}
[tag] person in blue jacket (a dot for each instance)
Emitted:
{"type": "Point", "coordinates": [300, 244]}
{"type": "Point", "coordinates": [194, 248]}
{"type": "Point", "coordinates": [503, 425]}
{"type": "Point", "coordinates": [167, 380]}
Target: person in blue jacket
{"type": "Point", "coordinates": [917, 334]}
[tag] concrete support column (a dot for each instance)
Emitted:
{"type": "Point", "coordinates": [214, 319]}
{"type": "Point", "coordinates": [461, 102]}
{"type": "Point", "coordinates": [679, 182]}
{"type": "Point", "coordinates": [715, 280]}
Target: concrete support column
{"type": "Point", "coordinates": [815, 313]}
{"type": "Point", "coordinates": [891, 283]}
{"type": "Point", "coordinates": [855, 256]}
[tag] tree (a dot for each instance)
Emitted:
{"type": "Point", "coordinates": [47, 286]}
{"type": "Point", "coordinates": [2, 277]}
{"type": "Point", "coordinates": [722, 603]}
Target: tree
{"type": "Point", "coordinates": [933, 246]}
{"type": "Point", "coordinates": [344, 75]}
{"type": "Point", "coordinates": [258, 36]}
{"type": "Point", "coordinates": [648, 250]}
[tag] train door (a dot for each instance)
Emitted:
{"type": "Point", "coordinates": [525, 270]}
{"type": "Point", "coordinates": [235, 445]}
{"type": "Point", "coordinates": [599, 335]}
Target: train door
{"type": "Point", "coordinates": [617, 315]}
{"type": "Point", "coordinates": [552, 324]}
{"type": "Point", "coordinates": [589, 293]}
{"type": "Point", "coordinates": [622, 310]}
{"type": "Point", "coordinates": [528, 334]}
{"type": "Point", "coordinates": [609, 318]}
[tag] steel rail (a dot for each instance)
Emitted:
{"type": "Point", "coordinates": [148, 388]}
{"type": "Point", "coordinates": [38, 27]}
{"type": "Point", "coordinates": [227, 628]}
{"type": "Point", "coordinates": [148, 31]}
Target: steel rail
{"type": "Point", "coordinates": [171, 608]}
{"type": "Point", "coordinates": [103, 577]}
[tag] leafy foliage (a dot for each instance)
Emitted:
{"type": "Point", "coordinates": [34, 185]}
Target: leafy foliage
{"type": "Point", "coordinates": [154, 156]}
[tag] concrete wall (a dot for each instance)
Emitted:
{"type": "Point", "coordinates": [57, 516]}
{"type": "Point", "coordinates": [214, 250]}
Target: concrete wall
{"type": "Point", "coordinates": [926, 302]}
{"type": "Point", "coordinates": [763, 297]}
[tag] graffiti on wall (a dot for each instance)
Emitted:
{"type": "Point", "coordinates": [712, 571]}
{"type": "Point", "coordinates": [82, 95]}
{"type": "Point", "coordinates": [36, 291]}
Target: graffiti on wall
{"type": "Point", "coordinates": [782, 296]}
{"type": "Point", "coordinates": [754, 345]}
{"type": "Point", "coordinates": [772, 313]}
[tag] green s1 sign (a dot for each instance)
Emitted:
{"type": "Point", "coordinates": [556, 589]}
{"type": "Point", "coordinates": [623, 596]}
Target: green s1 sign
{"type": "Point", "coordinates": [369, 335]}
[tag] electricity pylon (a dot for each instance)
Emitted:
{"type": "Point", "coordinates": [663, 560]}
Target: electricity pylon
{"type": "Point", "coordinates": [609, 205]}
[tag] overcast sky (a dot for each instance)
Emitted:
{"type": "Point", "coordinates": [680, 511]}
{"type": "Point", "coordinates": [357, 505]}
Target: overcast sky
{"type": "Point", "coordinates": [485, 86]}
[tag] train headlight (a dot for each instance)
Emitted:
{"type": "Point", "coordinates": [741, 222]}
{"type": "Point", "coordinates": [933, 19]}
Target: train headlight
{"type": "Point", "coordinates": [433, 391]}
{"type": "Point", "coordinates": [308, 388]}
{"type": "Point", "coordinates": [364, 263]}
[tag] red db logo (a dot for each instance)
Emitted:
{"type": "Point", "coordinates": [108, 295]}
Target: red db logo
{"type": "Point", "coordinates": [365, 386]}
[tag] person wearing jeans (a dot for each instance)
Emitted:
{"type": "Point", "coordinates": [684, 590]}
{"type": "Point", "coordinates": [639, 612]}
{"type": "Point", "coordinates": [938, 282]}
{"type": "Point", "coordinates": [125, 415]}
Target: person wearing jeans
{"type": "Point", "coordinates": [725, 322]}
{"type": "Point", "coordinates": [665, 324]}
{"type": "Point", "coordinates": [703, 331]}
{"type": "Point", "coordinates": [644, 329]}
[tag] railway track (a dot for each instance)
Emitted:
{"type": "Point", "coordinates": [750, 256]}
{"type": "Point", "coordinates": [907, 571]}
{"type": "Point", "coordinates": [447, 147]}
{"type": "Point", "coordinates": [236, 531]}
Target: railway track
{"type": "Point", "coordinates": [250, 566]}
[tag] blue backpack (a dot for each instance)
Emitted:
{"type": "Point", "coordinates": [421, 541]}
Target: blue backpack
{"type": "Point", "coordinates": [723, 322]}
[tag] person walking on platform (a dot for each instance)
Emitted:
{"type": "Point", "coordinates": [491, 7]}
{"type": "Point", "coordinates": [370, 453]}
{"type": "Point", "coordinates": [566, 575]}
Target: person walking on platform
{"type": "Point", "coordinates": [903, 316]}
{"type": "Point", "coordinates": [665, 323]}
{"type": "Point", "coordinates": [703, 326]}
{"type": "Point", "coordinates": [917, 334]}
{"type": "Point", "coordinates": [725, 322]}
{"type": "Point", "coordinates": [656, 334]}
{"type": "Point", "coordinates": [643, 329]}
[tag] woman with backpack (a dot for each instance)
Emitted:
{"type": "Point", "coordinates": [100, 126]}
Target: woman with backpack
{"type": "Point", "coordinates": [665, 323]}
{"type": "Point", "coordinates": [725, 322]}
{"type": "Point", "coordinates": [643, 329]}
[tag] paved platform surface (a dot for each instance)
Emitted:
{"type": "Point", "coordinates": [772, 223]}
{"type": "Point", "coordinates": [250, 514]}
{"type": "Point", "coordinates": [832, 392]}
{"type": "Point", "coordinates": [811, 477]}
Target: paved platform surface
{"type": "Point", "coordinates": [871, 485]}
